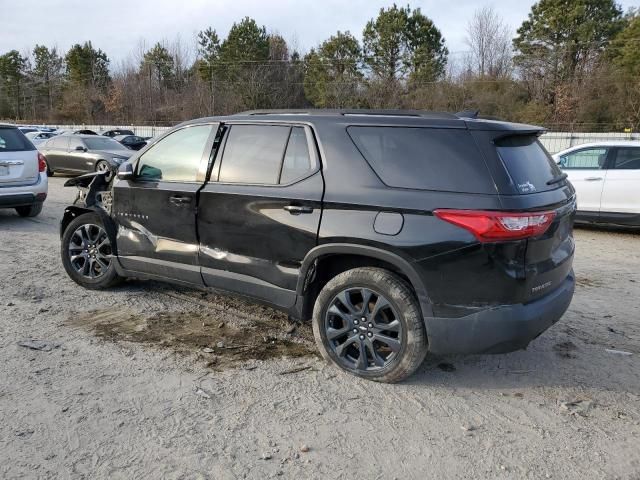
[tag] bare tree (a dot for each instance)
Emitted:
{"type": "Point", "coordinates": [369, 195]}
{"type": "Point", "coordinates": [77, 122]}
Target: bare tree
{"type": "Point", "coordinates": [489, 40]}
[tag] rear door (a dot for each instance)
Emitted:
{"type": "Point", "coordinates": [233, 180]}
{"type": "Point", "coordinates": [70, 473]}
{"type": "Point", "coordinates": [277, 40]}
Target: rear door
{"type": "Point", "coordinates": [621, 192]}
{"type": "Point", "coordinates": [18, 158]}
{"type": "Point", "coordinates": [586, 171]}
{"type": "Point", "coordinates": [156, 211]}
{"type": "Point", "coordinates": [55, 150]}
{"type": "Point", "coordinates": [259, 215]}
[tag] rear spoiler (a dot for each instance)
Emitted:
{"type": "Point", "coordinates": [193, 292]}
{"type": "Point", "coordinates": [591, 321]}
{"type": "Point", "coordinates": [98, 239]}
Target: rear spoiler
{"type": "Point", "coordinates": [505, 129]}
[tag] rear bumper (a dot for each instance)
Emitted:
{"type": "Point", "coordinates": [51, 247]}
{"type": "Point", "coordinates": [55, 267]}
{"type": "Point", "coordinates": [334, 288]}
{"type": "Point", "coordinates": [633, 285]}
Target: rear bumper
{"type": "Point", "coordinates": [24, 195]}
{"type": "Point", "coordinates": [10, 201]}
{"type": "Point", "coordinates": [501, 329]}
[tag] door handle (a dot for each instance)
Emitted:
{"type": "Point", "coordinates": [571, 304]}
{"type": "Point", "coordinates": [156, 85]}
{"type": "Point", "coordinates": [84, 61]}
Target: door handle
{"type": "Point", "coordinates": [593, 179]}
{"type": "Point", "coordinates": [179, 200]}
{"type": "Point", "coordinates": [297, 209]}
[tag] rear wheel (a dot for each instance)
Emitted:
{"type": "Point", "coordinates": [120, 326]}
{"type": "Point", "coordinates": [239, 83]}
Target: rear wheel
{"type": "Point", "coordinates": [367, 321]}
{"type": "Point", "coordinates": [50, 173]}
{"type": "Point", "coordinates": [87, 253]}
{"type": "Point", "coordinates": [29, 210]}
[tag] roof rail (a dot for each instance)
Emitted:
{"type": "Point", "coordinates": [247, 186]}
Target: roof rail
{"type": "Point", "coordinates": [351, 112]}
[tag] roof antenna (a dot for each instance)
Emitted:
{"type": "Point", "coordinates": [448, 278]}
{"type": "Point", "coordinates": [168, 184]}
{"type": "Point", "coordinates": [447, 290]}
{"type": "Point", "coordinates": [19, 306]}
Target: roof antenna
{"type": "Point", "coordinates": [473, 114]}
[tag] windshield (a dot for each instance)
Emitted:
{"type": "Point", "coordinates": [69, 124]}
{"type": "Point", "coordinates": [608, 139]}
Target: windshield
{"type": "Point", "coordinates": [105, 143]}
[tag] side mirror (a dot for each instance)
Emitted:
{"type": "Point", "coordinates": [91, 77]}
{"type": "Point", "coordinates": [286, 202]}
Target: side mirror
{"type": "Point", "coordinates": [125, 171]}
{"type": "Point", "coordinates": [80, 148]}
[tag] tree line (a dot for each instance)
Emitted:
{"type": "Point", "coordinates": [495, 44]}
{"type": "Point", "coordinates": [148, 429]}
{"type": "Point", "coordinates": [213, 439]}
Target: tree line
{"type": "Point", "coordinates": [572, 64]}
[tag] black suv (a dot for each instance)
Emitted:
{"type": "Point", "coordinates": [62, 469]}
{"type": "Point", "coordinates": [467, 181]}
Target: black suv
{"type": "Point", "coordinates": [396, 232]}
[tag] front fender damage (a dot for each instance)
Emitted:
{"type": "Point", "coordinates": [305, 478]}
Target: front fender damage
{"type": "Point", "coordinates": [94, 195]}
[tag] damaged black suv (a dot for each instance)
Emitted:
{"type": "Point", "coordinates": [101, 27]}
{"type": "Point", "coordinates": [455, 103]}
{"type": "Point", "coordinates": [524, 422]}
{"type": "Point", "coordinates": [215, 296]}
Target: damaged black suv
{"type": "Point", "coordinates": [395, 232]}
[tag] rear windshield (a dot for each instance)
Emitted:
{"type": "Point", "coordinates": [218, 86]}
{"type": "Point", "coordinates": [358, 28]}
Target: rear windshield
{"type": "Point", "coordinates": [424, 158]}
{"type": "Point", "coordinates": [13, 140]}
{"type": "Point", "coordinates": [528, 163]}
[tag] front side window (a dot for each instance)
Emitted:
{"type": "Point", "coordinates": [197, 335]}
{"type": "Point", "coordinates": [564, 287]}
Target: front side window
{"type": "Point", "coordinates": [175, 158]}
{"type": "Point", "coordinates": [590, 158]}
{"type": "Point", "coordinates": [627, 159]}
{"type": "Point", "coordinates": [253, 154]}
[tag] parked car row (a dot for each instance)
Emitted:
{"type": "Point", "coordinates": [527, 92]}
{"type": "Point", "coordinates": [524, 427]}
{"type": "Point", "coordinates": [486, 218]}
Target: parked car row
{"type": "Point", "coordinates": [83, 153]}
{"type": "Point", "coordinates": [38, 134]}
{"type": "Point", "coordinates": [606, 176]}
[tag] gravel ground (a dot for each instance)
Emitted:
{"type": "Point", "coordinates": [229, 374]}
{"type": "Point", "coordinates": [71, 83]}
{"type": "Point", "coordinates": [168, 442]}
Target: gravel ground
{"type": "Point", "coordinates": [152, 381]}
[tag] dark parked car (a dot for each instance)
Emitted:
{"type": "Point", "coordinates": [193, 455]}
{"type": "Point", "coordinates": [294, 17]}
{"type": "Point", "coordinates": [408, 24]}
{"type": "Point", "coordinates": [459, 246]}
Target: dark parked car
{"type": "Point", "coordinates": [132, 142]}
{"type": "Point", "coordinates": [83, 153]}
{"type": "Point", "coordinates": [117, 131]}
{"type": "Point", "coordinates": [396, 232]}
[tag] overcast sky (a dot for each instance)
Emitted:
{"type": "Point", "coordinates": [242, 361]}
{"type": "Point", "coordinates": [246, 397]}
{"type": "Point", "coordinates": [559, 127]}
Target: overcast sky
{"type": "Point", "coordinates": [118, 26]}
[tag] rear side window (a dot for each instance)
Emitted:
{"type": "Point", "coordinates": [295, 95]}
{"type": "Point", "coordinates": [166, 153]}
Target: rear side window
{"type": "Point", "coordinates": [265, 155]}
{"type": "Point", "coordinates": [297, 161]}
{"type": "Point", "coordinates": [627, 159]}
{"type": "Point", "coordinates": [424, 158]}
{"type": "Point", "coordinates": [253, 154]}
{"type": "Point", "coordinates": [528, 163]}
{"type": "Point", "coordinates": [13, 140]}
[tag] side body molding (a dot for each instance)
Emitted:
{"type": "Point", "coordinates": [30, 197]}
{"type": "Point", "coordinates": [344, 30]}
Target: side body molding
{"type": "Point", "coordinates": [364, 250]}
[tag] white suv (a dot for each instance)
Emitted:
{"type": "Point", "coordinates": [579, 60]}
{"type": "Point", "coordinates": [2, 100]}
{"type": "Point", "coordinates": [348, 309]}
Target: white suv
{"type": "Point", "coordinates": [23, 173]}
{"type": "Point", "coordinates": [606, 176]}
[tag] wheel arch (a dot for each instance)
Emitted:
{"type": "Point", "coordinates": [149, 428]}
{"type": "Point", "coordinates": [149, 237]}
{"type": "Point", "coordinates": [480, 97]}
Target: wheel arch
{"type": "Point", "coordinates": [325, 261]}
{"type": "Point", "coordinates": [73, 211]}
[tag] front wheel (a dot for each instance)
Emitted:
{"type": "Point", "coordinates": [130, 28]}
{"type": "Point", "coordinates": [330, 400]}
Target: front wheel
{"type": "Point", "coordinates": [367, 321]}
{"type": "Point", "coordinates": [87, 253]}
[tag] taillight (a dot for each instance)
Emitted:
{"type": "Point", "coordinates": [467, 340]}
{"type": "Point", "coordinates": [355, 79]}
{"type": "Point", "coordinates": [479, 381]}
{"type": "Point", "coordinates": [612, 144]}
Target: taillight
{"type": "Point", "coordinates": [490, 226]}
{"type": "Point", "coordinates": [42, 163]}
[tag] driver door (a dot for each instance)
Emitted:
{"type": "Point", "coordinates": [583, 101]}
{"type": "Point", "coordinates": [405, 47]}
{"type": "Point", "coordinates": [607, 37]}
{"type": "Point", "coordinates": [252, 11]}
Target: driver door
{"type": "Point", "coordinates": [156, 211]}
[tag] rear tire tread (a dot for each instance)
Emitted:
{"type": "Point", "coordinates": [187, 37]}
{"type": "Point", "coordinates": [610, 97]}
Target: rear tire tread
{"type": "Point", "coordinates": [401, 293]}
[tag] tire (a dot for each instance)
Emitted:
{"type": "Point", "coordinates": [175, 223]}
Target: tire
{"type": "Point", "coordinates": [30, 210]}
{"type": "Point", "coordinates": [389, 328]}
{"type": "Point", "coordinates": [86, 250]}
{"type": "Point", "coordinates": [103, 166]}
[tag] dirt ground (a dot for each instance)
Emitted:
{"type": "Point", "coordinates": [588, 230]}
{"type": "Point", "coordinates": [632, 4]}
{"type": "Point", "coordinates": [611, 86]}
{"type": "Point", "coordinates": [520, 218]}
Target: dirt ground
{"type": "Point", "coordinates": [152, 381]}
